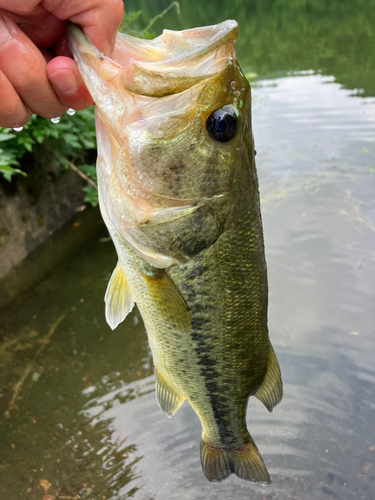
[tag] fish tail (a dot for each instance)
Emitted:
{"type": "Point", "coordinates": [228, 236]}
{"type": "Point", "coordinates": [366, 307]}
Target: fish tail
{"type": "Point", "coordinates": [246, 462]}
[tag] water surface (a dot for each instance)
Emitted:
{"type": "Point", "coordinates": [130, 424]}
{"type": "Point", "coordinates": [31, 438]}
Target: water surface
{"type": "Point", "coordinates": [77, 401]}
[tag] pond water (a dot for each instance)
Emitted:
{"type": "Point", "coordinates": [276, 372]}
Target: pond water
{"type": "Point", "coordinates": [77, 401]}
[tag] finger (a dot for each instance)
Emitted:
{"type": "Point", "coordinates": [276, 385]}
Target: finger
{"type": "Point", "coordinates": [20, 6]}
{"type": "Point", "coordinates": [41, 26]}
{"type": "Point", "coordinates": [67, 83]}
{"type": "Point", "coordinates": [98, 19]}
{"type": "Point", "coordinates": [25, 67]}
{"type": "Point", "coordinates": [13, 113]}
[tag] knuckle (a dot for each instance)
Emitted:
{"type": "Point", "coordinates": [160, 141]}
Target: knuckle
{"type": "Point", "coordinates": [10, 108]}
{"type": "Point", "coordinates": [28, 76]}
{"type": "Point", "coordinates": [119, 6]}
{"type": "Point", "coordinates": [26, 6]}
{"type": "Point", "coordinates": [53, 111]}
{"type": "Point", "coordinates": [14, 116]}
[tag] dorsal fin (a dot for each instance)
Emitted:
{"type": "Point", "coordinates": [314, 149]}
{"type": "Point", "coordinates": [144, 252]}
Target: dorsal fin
{"type": "Point", "coordinates": [118, 299]}
{"type": "Point", "coordinates": [271, 390]}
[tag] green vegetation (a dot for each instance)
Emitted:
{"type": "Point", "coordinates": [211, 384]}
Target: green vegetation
{"type": "Point", "coordinates": [71, 140]}
{"type": "Point", "coordinates": [68, 140]}
{"type": "Point", "coordinates": [127, 25]}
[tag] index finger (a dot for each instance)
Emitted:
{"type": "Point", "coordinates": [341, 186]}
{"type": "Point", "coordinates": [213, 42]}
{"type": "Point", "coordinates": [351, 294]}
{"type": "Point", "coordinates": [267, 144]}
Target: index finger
{"type": "Point", "coordinates": [98, 18]}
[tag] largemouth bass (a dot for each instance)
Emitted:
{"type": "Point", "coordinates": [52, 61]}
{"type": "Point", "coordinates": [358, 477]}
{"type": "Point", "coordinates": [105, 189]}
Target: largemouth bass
{"type": "Point", "coordinates": [178, 191]}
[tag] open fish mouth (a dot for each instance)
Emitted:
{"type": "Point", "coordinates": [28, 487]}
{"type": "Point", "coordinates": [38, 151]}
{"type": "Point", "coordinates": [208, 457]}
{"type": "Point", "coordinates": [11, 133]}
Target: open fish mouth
{"type": "Point", "coordinates": [171, 63]}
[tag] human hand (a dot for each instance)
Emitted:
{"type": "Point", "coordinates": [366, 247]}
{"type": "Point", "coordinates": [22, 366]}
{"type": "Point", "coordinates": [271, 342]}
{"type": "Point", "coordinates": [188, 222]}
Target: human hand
{"type": "Point", "coordinates": [36, 73]}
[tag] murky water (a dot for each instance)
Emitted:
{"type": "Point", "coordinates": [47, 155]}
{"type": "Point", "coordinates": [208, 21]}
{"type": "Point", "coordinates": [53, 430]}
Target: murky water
{"type": "Point", "coordinates": [77, 401]}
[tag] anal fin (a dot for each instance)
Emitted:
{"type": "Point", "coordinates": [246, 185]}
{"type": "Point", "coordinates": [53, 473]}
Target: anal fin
{"type": "Point", "coordinates": [271, 390]}
{"type": "Point", "coordinates": [167, 397]}
{"type": "Point", "coordinates": [246, 462]}
{"type": "Point", "coordinates": [118, 299]}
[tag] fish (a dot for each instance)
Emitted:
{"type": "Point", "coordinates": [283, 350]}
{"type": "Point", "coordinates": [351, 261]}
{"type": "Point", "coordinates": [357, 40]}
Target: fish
{"type": "Point", "coordinates": [178, 191]}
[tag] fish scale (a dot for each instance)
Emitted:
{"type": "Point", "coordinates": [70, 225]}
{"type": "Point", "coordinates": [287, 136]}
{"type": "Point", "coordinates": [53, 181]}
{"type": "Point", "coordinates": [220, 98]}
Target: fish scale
{"type": "Point", "coordinates": [181, 203]}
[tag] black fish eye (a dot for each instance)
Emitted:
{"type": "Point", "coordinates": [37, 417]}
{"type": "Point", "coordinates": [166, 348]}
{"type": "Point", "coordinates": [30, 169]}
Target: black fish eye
{"type": "Point", "coordinates": [222, 124]}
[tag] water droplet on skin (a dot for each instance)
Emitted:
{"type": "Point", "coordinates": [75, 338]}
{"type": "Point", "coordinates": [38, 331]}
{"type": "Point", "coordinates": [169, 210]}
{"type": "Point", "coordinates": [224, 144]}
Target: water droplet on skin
{"type": "Point", "coordinates": [71, 112]}
{"type": "Point", "coordinates": [55, 120]}
{"type": "Point", "coordinates": [17, 129]}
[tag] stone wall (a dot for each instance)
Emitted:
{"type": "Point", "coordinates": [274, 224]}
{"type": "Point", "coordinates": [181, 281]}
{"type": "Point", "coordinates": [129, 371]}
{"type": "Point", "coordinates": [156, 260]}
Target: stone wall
{"type": "Point", "coordinates": [34, 207]}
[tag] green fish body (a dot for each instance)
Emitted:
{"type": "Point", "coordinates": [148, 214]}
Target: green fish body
{"type": "Point", "coordinates": [178, 191]}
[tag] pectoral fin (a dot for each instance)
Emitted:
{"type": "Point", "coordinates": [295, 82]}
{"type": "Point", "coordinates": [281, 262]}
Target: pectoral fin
{"type": "Point", "coordinates": [271, 390]}
{"type": "Point", "coordinates": [165, 215]}
{"type": "Point", "coordinates": [155, 259]}
{"type": "Point", "coordinates": [167, 397]}
{"type": "Point", "coordinates": [118, 299]}
{"type": "Point", "coordinates": [171, 305]}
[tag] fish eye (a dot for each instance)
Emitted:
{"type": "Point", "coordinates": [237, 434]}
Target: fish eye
{"type": "Point", "coordinates": [222, 124]}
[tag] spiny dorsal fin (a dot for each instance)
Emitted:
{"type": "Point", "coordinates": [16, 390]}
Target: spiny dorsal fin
{"type": "Point", "coordinates": [118, 299]}
{"type": "Point", "coordinates": [271, 390]}
{"type": "Point", "coordinates": [246, 462]}
{"type": "Point", "coordinates": [171, 305]}
{"type": "Point", "coordinates": [167, 397]}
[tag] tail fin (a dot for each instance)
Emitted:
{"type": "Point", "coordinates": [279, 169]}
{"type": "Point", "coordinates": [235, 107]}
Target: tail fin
{"type": "Point", "coordinates": [245, 462]}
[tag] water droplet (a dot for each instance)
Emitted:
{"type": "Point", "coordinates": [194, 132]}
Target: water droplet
{"type": "Point", "coordinates": [17, 129]}
{"type": "Point", "coordinates": [55, 120]}
{"type": "Point", "coordinates": [71, 112]}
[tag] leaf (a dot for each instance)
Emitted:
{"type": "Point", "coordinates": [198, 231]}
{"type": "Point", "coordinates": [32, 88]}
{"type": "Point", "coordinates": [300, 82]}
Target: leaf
{"type": "Point", "coordinates": [7, 172]}
{"type": "Point", "coordinates": [91, 195]}
{"type": "Point", "coordinates": [90, 171]}
{"type": "Point", "coordinates": [6, 137]}
{"type": "Point", "coordinates": [129, 18]}
{"type": "Point", "coordinates": [45, 485]}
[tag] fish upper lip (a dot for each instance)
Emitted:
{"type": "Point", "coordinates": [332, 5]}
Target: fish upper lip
{"type": "Point", "coordinates": [78, 38]}
{"type": "Point", "coordinates": [197, 53]}
{"type": "Point", "coordinates": [177, 47]}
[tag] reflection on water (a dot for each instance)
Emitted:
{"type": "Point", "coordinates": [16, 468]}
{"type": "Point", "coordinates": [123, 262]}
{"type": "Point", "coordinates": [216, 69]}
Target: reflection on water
{"type": "Point", "coordinates": [79, 399]}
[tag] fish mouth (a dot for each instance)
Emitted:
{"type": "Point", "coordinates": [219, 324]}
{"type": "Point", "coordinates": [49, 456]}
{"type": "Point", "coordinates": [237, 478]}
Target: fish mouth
{"type": "Point", "coordinates": [168, 64]}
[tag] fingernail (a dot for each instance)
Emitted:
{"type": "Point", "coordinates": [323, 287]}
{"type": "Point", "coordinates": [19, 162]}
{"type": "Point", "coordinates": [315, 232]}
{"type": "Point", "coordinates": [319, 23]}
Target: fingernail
{"type": "Point", "coordinates": [64, 81]}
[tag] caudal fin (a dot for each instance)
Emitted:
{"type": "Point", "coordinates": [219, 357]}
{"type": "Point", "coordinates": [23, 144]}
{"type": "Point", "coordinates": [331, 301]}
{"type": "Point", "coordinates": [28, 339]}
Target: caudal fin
{"type": "Point", "coordinates": [245, 462]}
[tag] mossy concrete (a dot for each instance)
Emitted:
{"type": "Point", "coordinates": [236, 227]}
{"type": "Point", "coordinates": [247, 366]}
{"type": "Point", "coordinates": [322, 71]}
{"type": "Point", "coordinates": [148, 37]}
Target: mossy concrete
{"type": "Point", "coordinates": [32, 208]}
